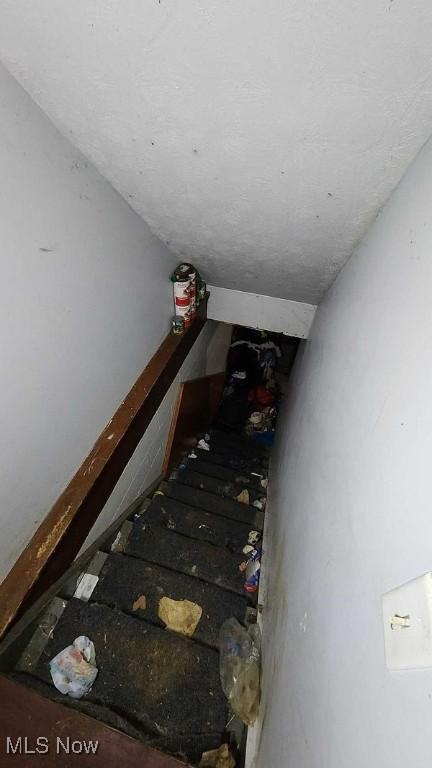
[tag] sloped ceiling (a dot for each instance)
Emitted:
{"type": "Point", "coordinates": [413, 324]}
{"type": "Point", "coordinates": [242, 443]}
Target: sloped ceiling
{"type": "Point", "coordinates": [258, 138]}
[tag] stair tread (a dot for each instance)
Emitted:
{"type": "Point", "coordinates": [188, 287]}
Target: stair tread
{"type": "Point", "coordinates": [125, 579]}
{"type": "Point", "coordinates": [162, 682]}
{"type": "Point", "coordinates": [216, 565]}
{"type": "Point", "coordinates": [197, 523]}
{"type": "Point", "coordinates": [189, 476]}
{"type": "Point", "coordinates": [190, 746]}
{"type": "Point", "coordinates": [242, 444]}
{"type": "Point", "coordinates": [218, 505]}
{"type": "Point", "coordinates": [233, 461]}
{"type": "Point", "coordinates": [228, 474]}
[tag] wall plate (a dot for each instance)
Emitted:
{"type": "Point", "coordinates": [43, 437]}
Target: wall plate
{"type": "Point", "coordinates": [407, 613]}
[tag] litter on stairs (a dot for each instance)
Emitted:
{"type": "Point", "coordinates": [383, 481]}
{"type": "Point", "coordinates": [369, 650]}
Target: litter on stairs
{"type": "Point", "coordinates": [74, 670]}
{"type": "Point", "coordinates": [182, 616]}
{"type": "Point", "coordinates": [251, 391]}
{"type": "Point", "coordinates": [240, 668]}
{"type": "Point", "coordinates": [218, 758]}
{"type": "Point", "coordinates": [243, 497]}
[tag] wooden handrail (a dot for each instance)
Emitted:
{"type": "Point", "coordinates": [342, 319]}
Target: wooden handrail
{"type": "Point", "coordinates": [63, 531]}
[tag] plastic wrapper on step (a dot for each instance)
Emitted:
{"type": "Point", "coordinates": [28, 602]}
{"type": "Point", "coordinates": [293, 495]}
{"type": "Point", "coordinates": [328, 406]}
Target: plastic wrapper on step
{"type": "Point", "coordinates": [74, 670]}
{"type": "Point", "coordinates": [254, 537]}
{"type": "Point", "coordinates": [240, 668]}
{"type": "Point", "coordinates": [253, 571]}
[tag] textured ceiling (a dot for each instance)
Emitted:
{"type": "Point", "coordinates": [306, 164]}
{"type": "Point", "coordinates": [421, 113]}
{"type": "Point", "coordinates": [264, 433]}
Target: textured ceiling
{"type": "Point", "coordinates": [257, 138]}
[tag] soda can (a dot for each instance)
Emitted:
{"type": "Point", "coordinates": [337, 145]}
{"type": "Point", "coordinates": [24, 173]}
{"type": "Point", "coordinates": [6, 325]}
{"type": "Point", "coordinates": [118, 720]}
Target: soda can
{"type": "Point", "coordinates": [184, 288]}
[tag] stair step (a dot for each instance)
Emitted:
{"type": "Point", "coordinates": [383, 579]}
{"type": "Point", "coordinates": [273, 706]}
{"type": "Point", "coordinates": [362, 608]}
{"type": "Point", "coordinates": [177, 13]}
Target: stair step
{"type": "Point", "coordinates": [189, 747]}
{"type": "Point", "coordinates": [197, 524]}
{"type": "Point", "coordinates": [209, 502]}
{"type": "Point", "coordinates": [200, 559]}
{"type": "Point", "coordinates": [245, 446]}
{"type": "Point", "coordinates": [227, 474]}
{"type": "Point", "coordinates": [162, 683]}
{"type": "Point", "coordinates": [238, 463]}
{"type": "Point", "coordinates": [125, 579]}
{"type": "Point", "coordinates": [227, 490]}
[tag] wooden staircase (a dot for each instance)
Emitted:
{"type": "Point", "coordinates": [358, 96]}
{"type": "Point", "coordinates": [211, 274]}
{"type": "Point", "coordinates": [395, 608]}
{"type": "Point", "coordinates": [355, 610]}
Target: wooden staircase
{"type": "Point", "coordinates": [155, 685]}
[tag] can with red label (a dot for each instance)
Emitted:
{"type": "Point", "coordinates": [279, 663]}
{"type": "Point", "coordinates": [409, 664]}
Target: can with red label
{"type": "Point", "coordinates": [184, 284]}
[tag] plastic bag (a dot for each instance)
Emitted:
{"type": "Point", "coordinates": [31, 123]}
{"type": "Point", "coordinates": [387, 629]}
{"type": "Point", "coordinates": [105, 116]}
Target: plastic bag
{"type": "Point", "coordinates": [74, 670]}
{"type": "Point", "coordinates": [240, 668]}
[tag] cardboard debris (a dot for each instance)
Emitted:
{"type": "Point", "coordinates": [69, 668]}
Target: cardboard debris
{"type": "Point", "coordinates": [243, 497]}
{"type": "Point", "coordinates": [218, 758]}
{"type": "Point", "coordinates": [180, 616]}
{"type": "Point", "coordinates": [140, 603]}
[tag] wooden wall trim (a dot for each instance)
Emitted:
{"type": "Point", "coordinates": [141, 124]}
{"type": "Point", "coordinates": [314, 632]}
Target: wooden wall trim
{"type": "Point", "coordinates": [27, 714]}
{"type": "Point", "coordinates": [195, 408]}
{"type": "Point", "coordinates": [62, 533]}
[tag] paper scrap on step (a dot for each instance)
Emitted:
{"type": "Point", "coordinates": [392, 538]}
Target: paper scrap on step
{"type": "Point", "coordinates": [218, 758]}
{"type": "Point", "coordinates": [140, 603]}
{"type": "Point", "coordinates": [86, 586]}
{"type": "Point", "coordinates": [243, 497]}
{"type": "Point", "coordinates": [180, 616]}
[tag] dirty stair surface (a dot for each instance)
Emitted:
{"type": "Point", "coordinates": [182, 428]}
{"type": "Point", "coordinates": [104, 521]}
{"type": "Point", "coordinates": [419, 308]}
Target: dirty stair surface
{"type": "Point", "coordinates": [185, 544]}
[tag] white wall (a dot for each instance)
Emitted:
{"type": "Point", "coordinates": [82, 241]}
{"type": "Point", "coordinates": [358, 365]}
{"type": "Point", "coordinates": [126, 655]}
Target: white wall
{"type": "Point", "coordinates": [85, 301]}
{"type": "Point", "coordinates": [350, 512]}
{"type": "Point", "coordinates": [208, 355]}
{"type": "Point", "coordinates": [255, 310]}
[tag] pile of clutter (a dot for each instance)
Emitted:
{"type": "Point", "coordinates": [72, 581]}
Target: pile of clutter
{"type": "Point", "coordinates": [251, 392]}
{"type": "Point", "coordinates": [189, 291]}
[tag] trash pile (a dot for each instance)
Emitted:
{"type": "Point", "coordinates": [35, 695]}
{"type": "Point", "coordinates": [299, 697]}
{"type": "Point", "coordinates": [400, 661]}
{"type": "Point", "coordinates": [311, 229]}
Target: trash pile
{"type": "Point", "coordinates": [251, 394]}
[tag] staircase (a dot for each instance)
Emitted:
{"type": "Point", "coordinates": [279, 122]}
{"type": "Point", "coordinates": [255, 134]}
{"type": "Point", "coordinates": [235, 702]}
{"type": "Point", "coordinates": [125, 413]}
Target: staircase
{"type": "Point", "coordinates": [186, 543]}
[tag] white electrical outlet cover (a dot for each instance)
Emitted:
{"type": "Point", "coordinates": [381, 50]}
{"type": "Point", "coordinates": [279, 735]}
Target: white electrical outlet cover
{"type": "Point", "coordinates": [407, 613]}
